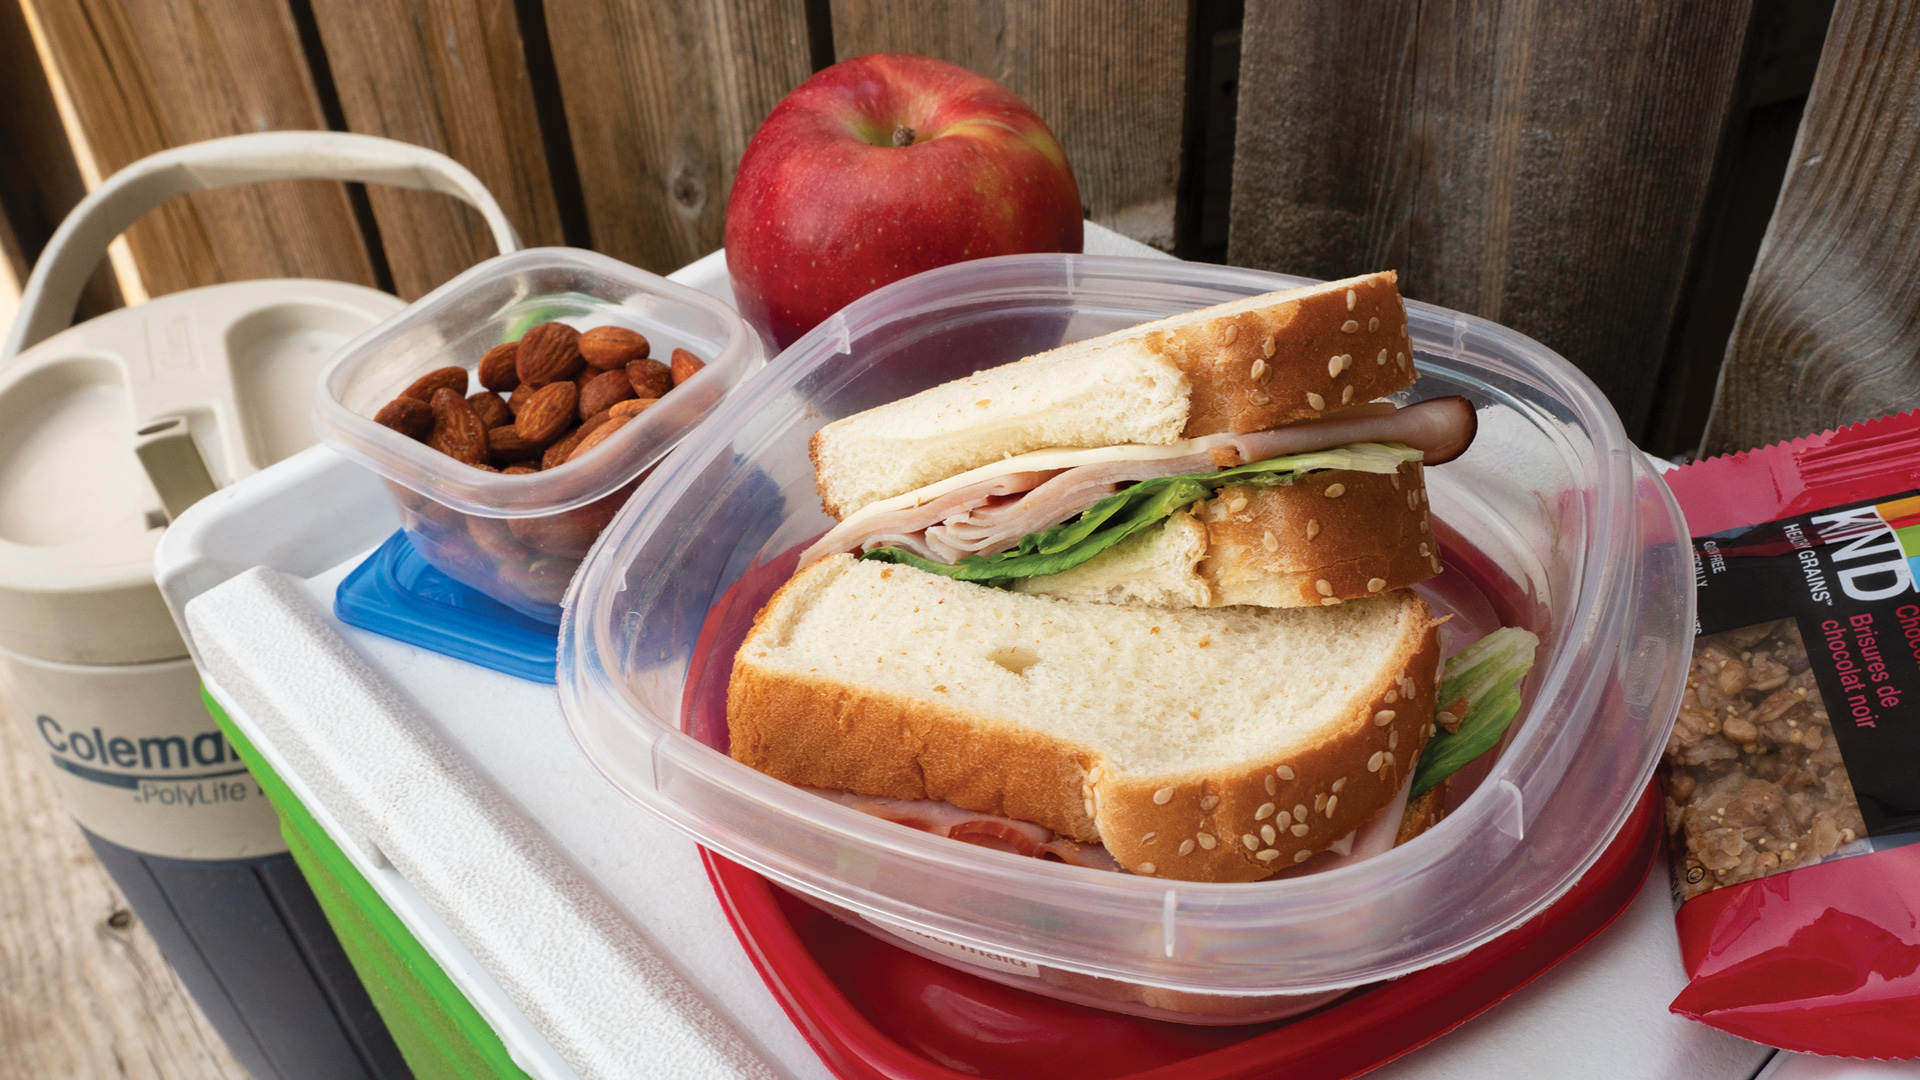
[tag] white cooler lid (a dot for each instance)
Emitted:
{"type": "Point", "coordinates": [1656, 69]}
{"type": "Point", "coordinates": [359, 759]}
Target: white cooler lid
{"type": "Point", "coordinates": [110, 428]}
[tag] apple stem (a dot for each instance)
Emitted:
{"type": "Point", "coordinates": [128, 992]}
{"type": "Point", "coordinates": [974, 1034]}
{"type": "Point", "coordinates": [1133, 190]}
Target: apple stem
{"type": "Point", "coordinates": [903, 136]}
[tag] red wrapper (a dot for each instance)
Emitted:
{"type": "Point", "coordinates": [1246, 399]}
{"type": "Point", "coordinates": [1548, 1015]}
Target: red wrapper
{"type": "Point", "coordinates": [1794, 771]}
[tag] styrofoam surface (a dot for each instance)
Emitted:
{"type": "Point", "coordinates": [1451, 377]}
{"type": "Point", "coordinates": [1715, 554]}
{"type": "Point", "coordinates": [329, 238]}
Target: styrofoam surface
{"type": "Point", "coordinates": [583, 928]}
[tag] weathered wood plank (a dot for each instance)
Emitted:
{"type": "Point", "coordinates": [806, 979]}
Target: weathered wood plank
{"type": "Point", "coordinates": [144, 77]}
{"type": "Point", "coordinates": [450, 75]}
{"type": "Point", "coordinates": [661, 100]}
{"type": "Point", "coordinates": [1108, 77]}
{"type": "Point", "coordinates": [1829, 332]}
{"type": "Point", "coordinates": [1539, 163]}
{"type": "Point", "coordinates": [87, 991]}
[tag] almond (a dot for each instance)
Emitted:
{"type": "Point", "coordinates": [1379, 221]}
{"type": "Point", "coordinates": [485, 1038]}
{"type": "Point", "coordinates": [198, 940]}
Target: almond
{"type": "Point", "coordinates": [548, 413]}
{"type": "Point", "coordinates": [497, 371]}
{"type": "Point", "coordinates": [650, 378]}
{"type": "Point", "coordinates": [685, 365]}
{"type": "Point", "coordinates": [548, 353]}
{"type": "Point", "coordinates": [505, 444]}
{"type": "Point", "coordinates": [611, 347]}
{"type": "Point", "coordinates": [453, 378]}
{"type": "Point", "coordinates": [607, 389]}
{"type": "Point", "coordinates": [491, 408]}
{"type": "Point", "coordinates": [633, 406]}
{"type": "Point", "coordinates": [556, 454]}
{"type": "Point", "coordinates": [569, 533]}
{"type": "Point", "coordinates": [457, 432]}
{"type": "Point", "coordinates": [408, 416]}
{"type": "Point", "coordinates": [542, 579]}
{"type": "Point", "coordinates": [492, 536]}
{"type": "Point", "coordinates": [597, 436]}
{"type": "Point", "coordinates": [520, 470]}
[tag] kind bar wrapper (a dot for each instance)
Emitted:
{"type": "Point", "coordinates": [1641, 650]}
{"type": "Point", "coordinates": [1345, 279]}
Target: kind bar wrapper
{"type": "Point", "coordinates": [1793, 771]}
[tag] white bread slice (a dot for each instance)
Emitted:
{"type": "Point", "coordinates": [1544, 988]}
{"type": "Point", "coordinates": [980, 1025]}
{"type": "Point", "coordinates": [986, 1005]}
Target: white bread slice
{"type": "Point", "coordinates": [1243, 366]}
{"type": "Point", "coordinates": [1199, 745]}
{"type": "Point", "coordinates": [1273, 546]}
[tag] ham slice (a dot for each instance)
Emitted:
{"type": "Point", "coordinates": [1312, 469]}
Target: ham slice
{"type": "Point", "coordinates": [991, 516]}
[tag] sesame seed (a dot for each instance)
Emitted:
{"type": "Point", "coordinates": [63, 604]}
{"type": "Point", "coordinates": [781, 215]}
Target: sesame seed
{"type": "Point", "coordinates": [1231, 332]}
{"type": "Point", "coordinates": [1271, 787]}
{"type": "Point", "coordinates": [1379, 758]}
{"type": "Point", "coordinates": [1186, 847]}
{"type": "Point", "coordinates": [1350, 299]}
{"type": "Point", "coordinates": [1400, 358]}
{"type": "Point", "coordinates": [1340, 783]}
{"type": "Point", "coordinates": [1445, 717]}
{"type": "Point", "coordinates": [1093, 775]}
{"type": "Point", "coordinates": [1251, 841]}
{"type": "Point", "coordinates": [1373, 323]}
{"type": "Point", "coordinates": [1315, 401]}
{"type": "Point", "coordinates": [1346, 394]}
{"type": "Point", "coordinates": [1147, 868]}
{"type": "Point", "coordinates": [1259, 369]}
{"type": "Point", "coordinates": [1349, 326]}
{"type": "Point", "coordinates": [1334, 491]}
{"type": "Point", "coordinates": [1302, 855]}
{"type": "Point", "coordinates": [1380, 719]}
{"type": "Point", "coordinates": [1266, 347]}
{"type": "Point", "coordinates": [1332, 801]}
{"type": "Point", "coordinates": [1333, 367]}
{"type": "Point", "coordinates": [1393, 740]}
{"type": "Point", "coordinates": [1346, 361]}
{"type": "Point", "coordinates": [1285, 772]}
{"type": "Point", "coordinates": [1089, 805]}
{"type": "Point", "coordinates": [1270, 542]}
{"type": "Point", "coordinates": [1436, 564]}
{"type": "Point", "coordinates": [1319, 802]}
{"type": "Point", "coordinates": [1382, 358]}
{"type": "Point", "coordinates": [1257, 398]}
{"type": "Point", "coordinates": [1395, 477]}
{"type": "Point", "coordinates": [1149, 838]}
{"type": "Point", "coordinates": [1165, 794]}
{"type": "Point", "coordinates": [1268, 855]}
{"type": "Point", "coordinates": [1412, 503]}
{"type": "Point", "coordinates": [1376, 584]}
{"type": "Point", "coordinates": [1283, 819]}
{"type": "Point", "coordinates": [1392, 696]}
{"type": "Point", "coordinates": [1329, 601]}
{"type": "Point", "coordinates": [1423, 524]}
{"type": "Point", "coordinates": [1240, 503]}
{"type": "Point", "coordinates": [1267, 833]}
{"type": "Point", "coordinates": [1209, 802]}
{"type": "Point", "coordinates": [1389, 759]}
{"type": "Point", "coordinates": [1424, 551]}
{"type": "Point", "coordinates": [1300, 811]}
{"type": "Point", "coordinates": [1299, 830]}
{"type": "Point", "coordinates": [1325, 587]}
{"type": "Point", "coordinates": [1313, 528]}
{"type": "Point", "coordinates": [1206, 840]}
{"type": "Point", "coordinates": [1265, 812]}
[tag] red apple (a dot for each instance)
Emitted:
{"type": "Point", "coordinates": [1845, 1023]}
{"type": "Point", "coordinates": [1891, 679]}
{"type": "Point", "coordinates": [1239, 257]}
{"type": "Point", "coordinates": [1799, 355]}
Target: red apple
{"type": "Point", "coordinates": [881, 167]}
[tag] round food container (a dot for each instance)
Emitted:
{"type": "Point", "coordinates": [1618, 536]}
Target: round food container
{"type": "Point", "coordinates": [1552, 521]}
{"type": "Point", "coordinates": [519, 538]}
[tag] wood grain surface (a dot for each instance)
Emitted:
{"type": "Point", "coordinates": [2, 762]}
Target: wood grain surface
{"type": "Point", "coordinates": [1108, 76]}
{"type": "Point", "coordinates": [84, 992]}
{"type": "Point", "coordinates": [1829, 332]}
{"type": "Point", "coordinates": [146, 76]}
{"type": "Point", "coordinates": [1542, 164]}
{"type": "Point", "coordinates": [660, 102]}
{"type": "Point", "coordinates": [450, 75]}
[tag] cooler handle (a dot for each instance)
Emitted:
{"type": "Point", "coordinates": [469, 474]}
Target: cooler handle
{"type": "Point", "coordinates": [53, 289]}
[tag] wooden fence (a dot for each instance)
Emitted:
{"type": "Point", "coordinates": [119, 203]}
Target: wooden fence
{"type": "Point", "coordinates": [1599, 175]}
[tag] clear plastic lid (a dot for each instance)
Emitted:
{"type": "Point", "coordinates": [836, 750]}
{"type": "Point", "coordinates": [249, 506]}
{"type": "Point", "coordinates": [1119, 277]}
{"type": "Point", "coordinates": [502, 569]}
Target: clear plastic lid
{"type": "Point", "coordinates": [496, 301]}
{"type": "Point", "coordinates": [1552, 521]}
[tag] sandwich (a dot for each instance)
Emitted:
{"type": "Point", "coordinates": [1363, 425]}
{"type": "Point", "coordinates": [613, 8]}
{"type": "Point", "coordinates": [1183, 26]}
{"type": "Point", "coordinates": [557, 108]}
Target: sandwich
{"type": "Point", "coordinates": [1141, 598]}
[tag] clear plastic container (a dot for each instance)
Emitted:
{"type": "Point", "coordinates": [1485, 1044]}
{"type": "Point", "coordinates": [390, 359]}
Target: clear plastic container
{"type": "Point", "coordinates": [1552, 521]}
{"type": "Point", "coordinates": [520, 538]}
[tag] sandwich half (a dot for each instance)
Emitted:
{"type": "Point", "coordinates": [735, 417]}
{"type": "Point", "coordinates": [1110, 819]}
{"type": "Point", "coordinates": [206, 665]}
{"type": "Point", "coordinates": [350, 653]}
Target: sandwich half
{"type": "Point", "coordinates": [1232, 455]}
{"type": "Point", "coordinates": [1201, 745]}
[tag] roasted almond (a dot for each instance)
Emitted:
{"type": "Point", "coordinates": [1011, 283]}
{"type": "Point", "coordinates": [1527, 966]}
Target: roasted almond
{"type": "Point", "coordinates": [497, 371]}
{"type": "Point", "coordinates": [650, 378]}
{"type": "Point", "coordinates": [633, 406]}
{"type": "Point", "coordinates": [457, 432]}
{"type": "Point", "coordinates": [548, 413]}
{"type": "Point", "coordinates": [597, 436]}
{"type": "Point", "coordinates": [520, 470]}
{"type": "Point", "coordinates": [492, 536]}
{"type": "Point", "coordinates": [452, 378]}
{"type": "Point", "coordinates": [685, 364]}
{"type": "Point", "coordinates": [408, 416]}
{"type": "Point", "coordinates": [491, 408]}
{"type": "Point", "coordinates": [607, 389]}
{"type": "Point", "coordinates": [612, 347]}
{"type": "Point", "coordinates": [556, 454]}
{"type": "Point", "coordinates": [548, 353]}
{"type": "Point", "coordinates": [505, 444]}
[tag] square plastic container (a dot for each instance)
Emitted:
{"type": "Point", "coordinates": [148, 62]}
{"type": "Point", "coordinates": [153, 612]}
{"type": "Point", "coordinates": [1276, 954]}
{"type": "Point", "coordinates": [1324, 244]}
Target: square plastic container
{"type": "Point", "coordinates": [1552, 521]}
{"type": "Point", "coordinates": [479, 527]}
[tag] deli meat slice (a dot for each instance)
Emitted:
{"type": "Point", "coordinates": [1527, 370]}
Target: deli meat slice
{"type": "Point", "coordinates": [991, 516]}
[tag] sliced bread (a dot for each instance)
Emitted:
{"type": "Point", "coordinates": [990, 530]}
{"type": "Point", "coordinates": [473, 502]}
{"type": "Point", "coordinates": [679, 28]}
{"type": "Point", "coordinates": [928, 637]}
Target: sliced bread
{"type": "Point", "coordinates": [1215, 745]}
{"type": "Point", "coordinates": [1243, 366]}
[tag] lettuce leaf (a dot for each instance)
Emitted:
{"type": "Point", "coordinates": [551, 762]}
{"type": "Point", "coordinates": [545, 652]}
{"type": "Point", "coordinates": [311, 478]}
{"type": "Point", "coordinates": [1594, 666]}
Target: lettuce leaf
{"type": "Point", "coordinates": [1487, 674]}
{"type": "Point", "coordinates": [1140, 507]}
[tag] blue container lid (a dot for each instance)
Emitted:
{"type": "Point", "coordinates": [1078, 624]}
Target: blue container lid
{"type": "Point", "coordinates": [397, 594]}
